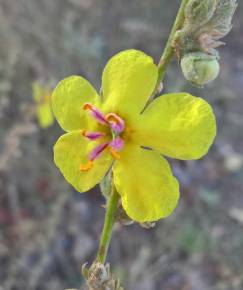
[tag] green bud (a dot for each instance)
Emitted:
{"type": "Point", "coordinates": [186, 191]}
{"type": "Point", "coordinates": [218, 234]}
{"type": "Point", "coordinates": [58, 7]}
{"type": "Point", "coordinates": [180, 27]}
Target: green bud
{"type": "Point", "coordinates": [200, 68]}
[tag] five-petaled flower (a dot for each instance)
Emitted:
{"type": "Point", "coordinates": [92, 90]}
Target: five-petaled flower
{"type": "Point", "coordinates": [113, 131]}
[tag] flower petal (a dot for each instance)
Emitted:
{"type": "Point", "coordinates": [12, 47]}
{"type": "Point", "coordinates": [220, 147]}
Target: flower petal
{"type": "Point", "coordinates": [147, 187]}
{"type": "Point", "coordinates": [45, 115]}
{"type": "Point", "coordinates": [68, 99]}
{"type": "Point", "coordinates": [178, 125]}
{"type": "Point", "coordinates": [128, 80]}
{"type": "Point", "coordinates": [72, 150]}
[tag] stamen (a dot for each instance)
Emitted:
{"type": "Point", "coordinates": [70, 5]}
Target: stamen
{"type": "Point", "coordinates": [116, 123]}
{"type": "Point", "coordinates": [87, 106]}
{"type": "Point", "coordinates": [99, 116]}
{"type": "Point", "coordinates": [92, 135]}
{"type": "Point", "coordinates": [117, 144]}
{"type": "Point", "coordinates": [83, 133]}
{"type": "Point", "coordinates": [114, 154]}
{"type": "Point", "coordinates": [87, 166]}
{"type": "Point", "coordinates": [95, 153]}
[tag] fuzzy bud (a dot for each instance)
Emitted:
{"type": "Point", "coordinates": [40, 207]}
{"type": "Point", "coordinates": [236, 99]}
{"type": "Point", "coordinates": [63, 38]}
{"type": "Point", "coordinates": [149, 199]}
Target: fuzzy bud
{"type": "Point", "coordinates": [224, 12]}
{"type": "Point", "coordinates": [99, 277]}
{"type": "Point", "coordinates": [200, 68]}
{"type": "Point", "coordinates": [198, 12]}
{"type": "Point", "coordinates": [206, 23]}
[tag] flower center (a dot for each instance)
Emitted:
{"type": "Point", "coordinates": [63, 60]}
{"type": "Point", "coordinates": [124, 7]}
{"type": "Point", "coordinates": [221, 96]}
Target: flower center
{"type": "Point", "coordinates": [113, 145]}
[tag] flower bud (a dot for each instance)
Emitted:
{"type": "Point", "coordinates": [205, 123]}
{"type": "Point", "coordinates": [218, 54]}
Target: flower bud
{"type": "Point", "coordinates": [99, 277]}
{"type": "Point", "coordinates": [198, 12]}
{"type": "Point", "coordinates": [222, 18]}
{"type": "Point", "coordinates": [200, 68]}
{"type": "Point", "coordinates": [206, 22]}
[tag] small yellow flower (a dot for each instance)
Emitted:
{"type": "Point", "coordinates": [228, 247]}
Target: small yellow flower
{"type": "Point", "coordinates": [111, 131]}
{"type": "Point", "coordinates": [42, 98]}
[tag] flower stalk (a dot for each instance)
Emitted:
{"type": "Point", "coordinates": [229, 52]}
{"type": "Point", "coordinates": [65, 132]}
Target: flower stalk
{"type": "Point", "coordinates": [112, 205]}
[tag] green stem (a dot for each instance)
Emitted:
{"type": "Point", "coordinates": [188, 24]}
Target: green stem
{"type": "Point", "coordinates": [112, 205]}
{"type": "Point", "coordinates": [169, 50]}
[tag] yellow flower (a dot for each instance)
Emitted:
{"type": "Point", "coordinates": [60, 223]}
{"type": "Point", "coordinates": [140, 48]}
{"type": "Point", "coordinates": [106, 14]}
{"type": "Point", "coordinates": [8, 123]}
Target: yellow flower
{"type": "Point", "coordinates": [42, 98]}
{"type": "Point", "coordinates": [110, 130]}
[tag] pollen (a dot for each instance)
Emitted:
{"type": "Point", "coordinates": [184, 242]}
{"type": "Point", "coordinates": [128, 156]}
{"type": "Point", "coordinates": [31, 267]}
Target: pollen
{"type": "Point", "coordinates": [87, 106]}
{"type": "Point", "coordinates": [83, 132]}
{"type": "Point", "coordinates": [87, 166]}
{"type": "Point", "coordinates": [114, 154]}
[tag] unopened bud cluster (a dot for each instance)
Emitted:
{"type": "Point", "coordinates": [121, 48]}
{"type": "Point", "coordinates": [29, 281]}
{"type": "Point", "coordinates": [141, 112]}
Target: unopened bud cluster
{"type": "Point", "coordinates": [99, 277]}
{"type": "Point", "coordinates": [206, 22]}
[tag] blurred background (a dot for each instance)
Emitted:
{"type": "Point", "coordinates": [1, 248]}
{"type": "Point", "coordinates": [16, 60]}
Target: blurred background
{"type": "Point", "coordinates": [47, 230]}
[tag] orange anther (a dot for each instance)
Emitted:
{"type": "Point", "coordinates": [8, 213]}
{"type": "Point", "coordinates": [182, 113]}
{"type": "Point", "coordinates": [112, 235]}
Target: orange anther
{"type": "Point", "coordinates": [87, 106]}
{"type": "Point", "coordinates": [83, 132]}
{"type": "Point", "coordinates": [114, 154]}
{"type": "Point", "coordinates": [87, 166]}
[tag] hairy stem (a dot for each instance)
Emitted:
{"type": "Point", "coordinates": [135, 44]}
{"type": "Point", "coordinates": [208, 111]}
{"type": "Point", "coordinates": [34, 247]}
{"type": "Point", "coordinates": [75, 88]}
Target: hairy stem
{"type": "Point", "coordinates": [112, 205]}
{"type": "Point", "coordinates": [169, 50]}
